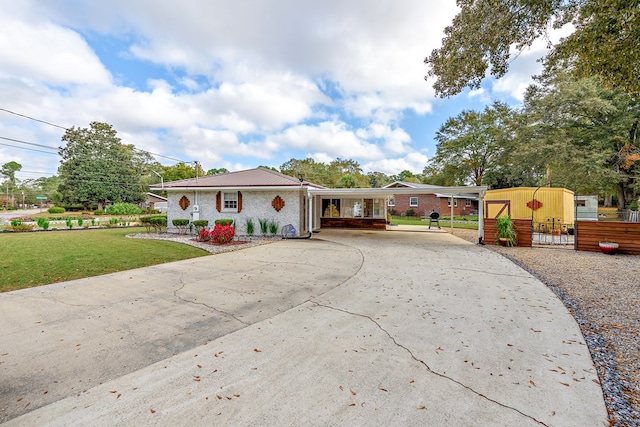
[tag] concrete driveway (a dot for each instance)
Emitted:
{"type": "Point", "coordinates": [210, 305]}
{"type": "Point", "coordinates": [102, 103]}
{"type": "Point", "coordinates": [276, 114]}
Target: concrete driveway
{"type": "Point", "coordinates": [348, 328]}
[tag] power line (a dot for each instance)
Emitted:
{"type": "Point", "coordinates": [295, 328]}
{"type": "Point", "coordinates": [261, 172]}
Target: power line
{"type": "Point", "coordinates": [30, 149]}
{"type": "Point", "coordinates": [34, 119]}
{"type": "Point", "coordinates": [62, 127]}
{"type": "Point", "coordinates": [29, 143]}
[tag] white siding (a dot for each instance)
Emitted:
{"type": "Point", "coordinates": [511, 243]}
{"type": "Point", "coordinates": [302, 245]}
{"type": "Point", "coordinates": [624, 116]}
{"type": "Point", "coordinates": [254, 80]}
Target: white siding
{"type": "Point", "coordinates": [255, 205]}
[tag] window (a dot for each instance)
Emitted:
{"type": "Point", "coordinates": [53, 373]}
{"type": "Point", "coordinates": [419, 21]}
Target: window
{"type": "Point", "coordinates": [392, 201]}
{"type": "Point", "coordinates": [455, 203]}
{"type": "Point", "coordinates": [230, 201]}
{"type": "Point", "coordinates": [467, 202]}
{"type": "Point", "coordinates": [413, 202]}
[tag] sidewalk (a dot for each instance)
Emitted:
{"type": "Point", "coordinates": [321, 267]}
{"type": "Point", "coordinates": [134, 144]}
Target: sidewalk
{"type": "Point", "coordinates": [348, 328]}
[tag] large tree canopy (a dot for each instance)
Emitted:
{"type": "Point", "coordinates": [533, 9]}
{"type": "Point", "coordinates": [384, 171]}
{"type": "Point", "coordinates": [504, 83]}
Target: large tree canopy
{"type": "Point", "coordinates": [470, 144]}
{"type": "Point", "coordinates": [483, 34]}
{"type": "Point", "coordinates": [97, 167]}
{"type": "Point", "coordinates": [584, 134]}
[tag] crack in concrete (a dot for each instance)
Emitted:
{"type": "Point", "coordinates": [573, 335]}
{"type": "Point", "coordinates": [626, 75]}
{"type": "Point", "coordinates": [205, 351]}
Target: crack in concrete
{"type": "Point", "coordinates": [422, 362]}
{"type": "Point", "coordinates": [187, 301]}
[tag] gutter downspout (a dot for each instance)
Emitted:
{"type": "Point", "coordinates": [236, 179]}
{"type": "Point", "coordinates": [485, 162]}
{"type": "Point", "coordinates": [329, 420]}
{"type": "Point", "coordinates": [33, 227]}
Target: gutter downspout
{"type": "Point", "coordinates": [451, 203]}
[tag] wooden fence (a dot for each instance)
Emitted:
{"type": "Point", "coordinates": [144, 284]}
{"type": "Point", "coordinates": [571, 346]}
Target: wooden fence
{"type": "Point", "coordinates": [523, 228]}
{"type": "Point", "coordinates": [590, 233]}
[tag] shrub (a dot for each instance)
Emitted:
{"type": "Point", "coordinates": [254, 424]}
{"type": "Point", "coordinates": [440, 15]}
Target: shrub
{"type": "Point", "coordinates": [224, 221]}
{"type": "Point", "coordinates": [264, 226]}
{"type": "Point", "coordinates": [56, 210]}
{"type": "Point", "coordinates": [181, 224]}
{"type": "Point", "coordinates": [43, 223]}
{"type": "Point", "coordinates": [98, 212]}
{"type": "Point", "coordinates": [69, 223]}
{"type": "Point", "coordinates": [204, 235]}
{"type": "Point", "coordinates": [250, 227]}
{"type": "Point", "coordinates": [222, 233]}
{"type": "Point", "coordinates": [200, 224]}
{"type": "Point", "coordinates": [113, 222]}
{"type": "Point", "coordinates": [17, 225]}
{"type": "Point", "coordinates": [273, 227]}
{"type": "Point", "coordinates": [633, 206]}
{"type": "Point", "coordinates": [123, 209]}
{"type": "Point", "coordinates": [409, 212]}
{"type": "Point", "coordinates": [157, 222]}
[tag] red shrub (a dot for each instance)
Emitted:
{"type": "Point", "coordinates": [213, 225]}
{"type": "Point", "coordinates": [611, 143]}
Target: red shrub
{"type": "Point", "coordinates": [222, 233]}
{"type": "Point", "coordinates": [204, 236]}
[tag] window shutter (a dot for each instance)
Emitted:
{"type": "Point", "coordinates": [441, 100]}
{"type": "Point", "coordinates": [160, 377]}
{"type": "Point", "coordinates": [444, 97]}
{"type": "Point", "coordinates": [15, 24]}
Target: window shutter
{"type": "Point", "coordinates": [239, 202]}
{"type": "Point", "coordinates": [219, 202]}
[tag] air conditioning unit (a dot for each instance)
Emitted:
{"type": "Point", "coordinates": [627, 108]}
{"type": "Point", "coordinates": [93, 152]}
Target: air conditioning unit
{"type": "Point", "coordinates": [196, 208]}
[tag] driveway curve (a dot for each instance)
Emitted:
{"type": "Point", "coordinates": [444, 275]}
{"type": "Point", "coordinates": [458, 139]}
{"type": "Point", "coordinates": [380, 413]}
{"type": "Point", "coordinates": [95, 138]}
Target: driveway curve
{"type": "Point", "coordinates": [348, 328]}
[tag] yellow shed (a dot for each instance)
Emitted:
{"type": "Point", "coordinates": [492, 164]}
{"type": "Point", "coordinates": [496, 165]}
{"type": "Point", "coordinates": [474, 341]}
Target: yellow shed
{"type": "Point", "coordinates": [548, 205]}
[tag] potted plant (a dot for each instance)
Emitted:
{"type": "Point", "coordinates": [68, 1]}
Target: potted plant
{"type": "Point", "coordinates": [507, 235]}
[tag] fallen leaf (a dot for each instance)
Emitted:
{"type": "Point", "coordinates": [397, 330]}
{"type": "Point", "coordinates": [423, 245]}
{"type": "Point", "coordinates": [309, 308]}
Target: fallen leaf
{"type": "Point", "coordinates": [532, 383]}
{"type": "Point", "coordinates": [153, 411]}
{"type": "Point", "coordinates": [422, 407]}
{"type": "Point", "coordinates": [219, 397]}
{"type": "Point", "coordinates": [118, 396]}
{"type": "Point", "coordinates": [353, 404]}
{"type": "Point", "coordinates": [228, 398]}
{"type": "Point", "coordinates": [19, 399]}
{"type": "Point", "coordinates": [564, 384]}
{"type": "Point", "coordinates": [352, 392]}
{"type": "Point", "coordinates": [199, 366]}
{"type": "Point", "coordinates": [412, 381]}
{"type": "Point", "coordinates": [236, 395]}
{"type": "Point", "coordinates": [257, 351]}
{"type": "Point", "coordinates": [383, 389]}
{"type": "Point", "coordinates": [112, 391]}
{"type": "Point", "coordinates": [341, 388]}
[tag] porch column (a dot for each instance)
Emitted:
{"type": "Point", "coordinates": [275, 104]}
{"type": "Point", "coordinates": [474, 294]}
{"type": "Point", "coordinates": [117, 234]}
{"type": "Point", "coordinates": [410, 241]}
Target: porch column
{"type": "Point", "coordinates": [310, 213]}
{"type": "Point", "coordinates": [480, 216]}
{"type": "Point", "coordinates": [451, 203]}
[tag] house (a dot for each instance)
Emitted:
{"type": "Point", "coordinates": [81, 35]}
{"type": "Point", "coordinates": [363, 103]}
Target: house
{"type": "Point", "coordinates": [254, 194]}
{"type": "Point", "coordinates": [263, 194]}
{"type": "Point", "coordinates": [422, 204]}
{"type": "Point", "coordinates": [156, 202]}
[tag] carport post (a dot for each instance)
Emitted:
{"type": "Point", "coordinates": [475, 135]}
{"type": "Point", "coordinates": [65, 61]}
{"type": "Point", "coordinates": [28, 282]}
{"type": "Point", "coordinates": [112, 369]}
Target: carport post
{"type": "Point", "coordinates": [451, 203]}
{"type": "Point", "coordinates": [310, 213]}
{"type": "Point", "coordinates": [480, 217]}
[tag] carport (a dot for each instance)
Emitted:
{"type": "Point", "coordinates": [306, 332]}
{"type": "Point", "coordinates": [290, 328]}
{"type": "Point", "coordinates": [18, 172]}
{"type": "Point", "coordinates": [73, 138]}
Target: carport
{"type": "Point", "coordinates": [367, 207]}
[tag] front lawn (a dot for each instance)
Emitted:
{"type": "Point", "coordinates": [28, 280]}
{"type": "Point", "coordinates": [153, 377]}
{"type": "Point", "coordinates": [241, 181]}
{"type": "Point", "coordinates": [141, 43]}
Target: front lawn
{"type": "Point", "coordinates": [459, 222]}
{"type": "Point", "coordinates": [39, 258]}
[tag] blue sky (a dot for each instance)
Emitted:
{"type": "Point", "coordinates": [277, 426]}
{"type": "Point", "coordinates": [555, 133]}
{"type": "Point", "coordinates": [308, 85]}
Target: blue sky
{"type": "Point", "coordinates": [234, 84]}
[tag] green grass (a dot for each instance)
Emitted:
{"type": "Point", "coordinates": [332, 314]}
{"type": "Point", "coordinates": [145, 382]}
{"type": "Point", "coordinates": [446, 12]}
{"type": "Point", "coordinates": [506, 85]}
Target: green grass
{"type": "Point", "coordinates": [34, 259]}
{"type": "Point", "coordinates": [444, 223]}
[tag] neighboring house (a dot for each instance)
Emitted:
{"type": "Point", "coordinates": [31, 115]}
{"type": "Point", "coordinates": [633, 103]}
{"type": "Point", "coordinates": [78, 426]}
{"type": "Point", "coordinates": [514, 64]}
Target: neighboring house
{"type": "Point", "coordinates": [419, 203]}
{"type": "Point", "coordinates": [463, 204]}
{"type": "Point", "coordinates": [156, 202]}
{"type": "Point", "coordinates": [423, 204]}
{"type": "Point", "coordinates": [254, 194]}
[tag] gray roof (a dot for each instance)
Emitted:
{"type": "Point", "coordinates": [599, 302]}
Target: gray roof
{"type": "Point", "coordinates": [404, 184]}
{"type": "Point", "coordinates": [258, 177]}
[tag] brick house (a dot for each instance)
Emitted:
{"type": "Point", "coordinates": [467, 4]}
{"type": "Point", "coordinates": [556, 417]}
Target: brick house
{"type": "Point", "coordinates": [423, 204]}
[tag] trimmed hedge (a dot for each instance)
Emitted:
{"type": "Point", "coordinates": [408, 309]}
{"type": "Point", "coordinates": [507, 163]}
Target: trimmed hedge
{"type": "Point", "coordinates": [155, 222]}
{"type": "Point", "coordinates": [224, 221]}
{"type": "Point", "coordinates": [56, 210]}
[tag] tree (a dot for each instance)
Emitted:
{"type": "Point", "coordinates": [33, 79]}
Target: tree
{"type": "Point", "coordinates": [584, 135]}
{"type": "Point", "coordinates": [483, 33]}
{"type": "Point", "coordinates": [378, 179]}
{"type": "Point", "coordinates": [471, 144]}
{"type": "Point", "coordinates": [217, 171]}
{"type": "Point", "coordinates": [96, 167]}
{"type": "Point", "coordinates": [9, 170]}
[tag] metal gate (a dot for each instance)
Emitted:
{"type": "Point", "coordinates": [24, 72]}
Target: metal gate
{"type": "Point", "coordinates": [553, 232]}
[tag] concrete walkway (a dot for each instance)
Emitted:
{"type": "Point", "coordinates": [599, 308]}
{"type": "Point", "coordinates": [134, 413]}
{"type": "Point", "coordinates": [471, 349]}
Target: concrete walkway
{"type": "Point", "coordinates": [348, 328]}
